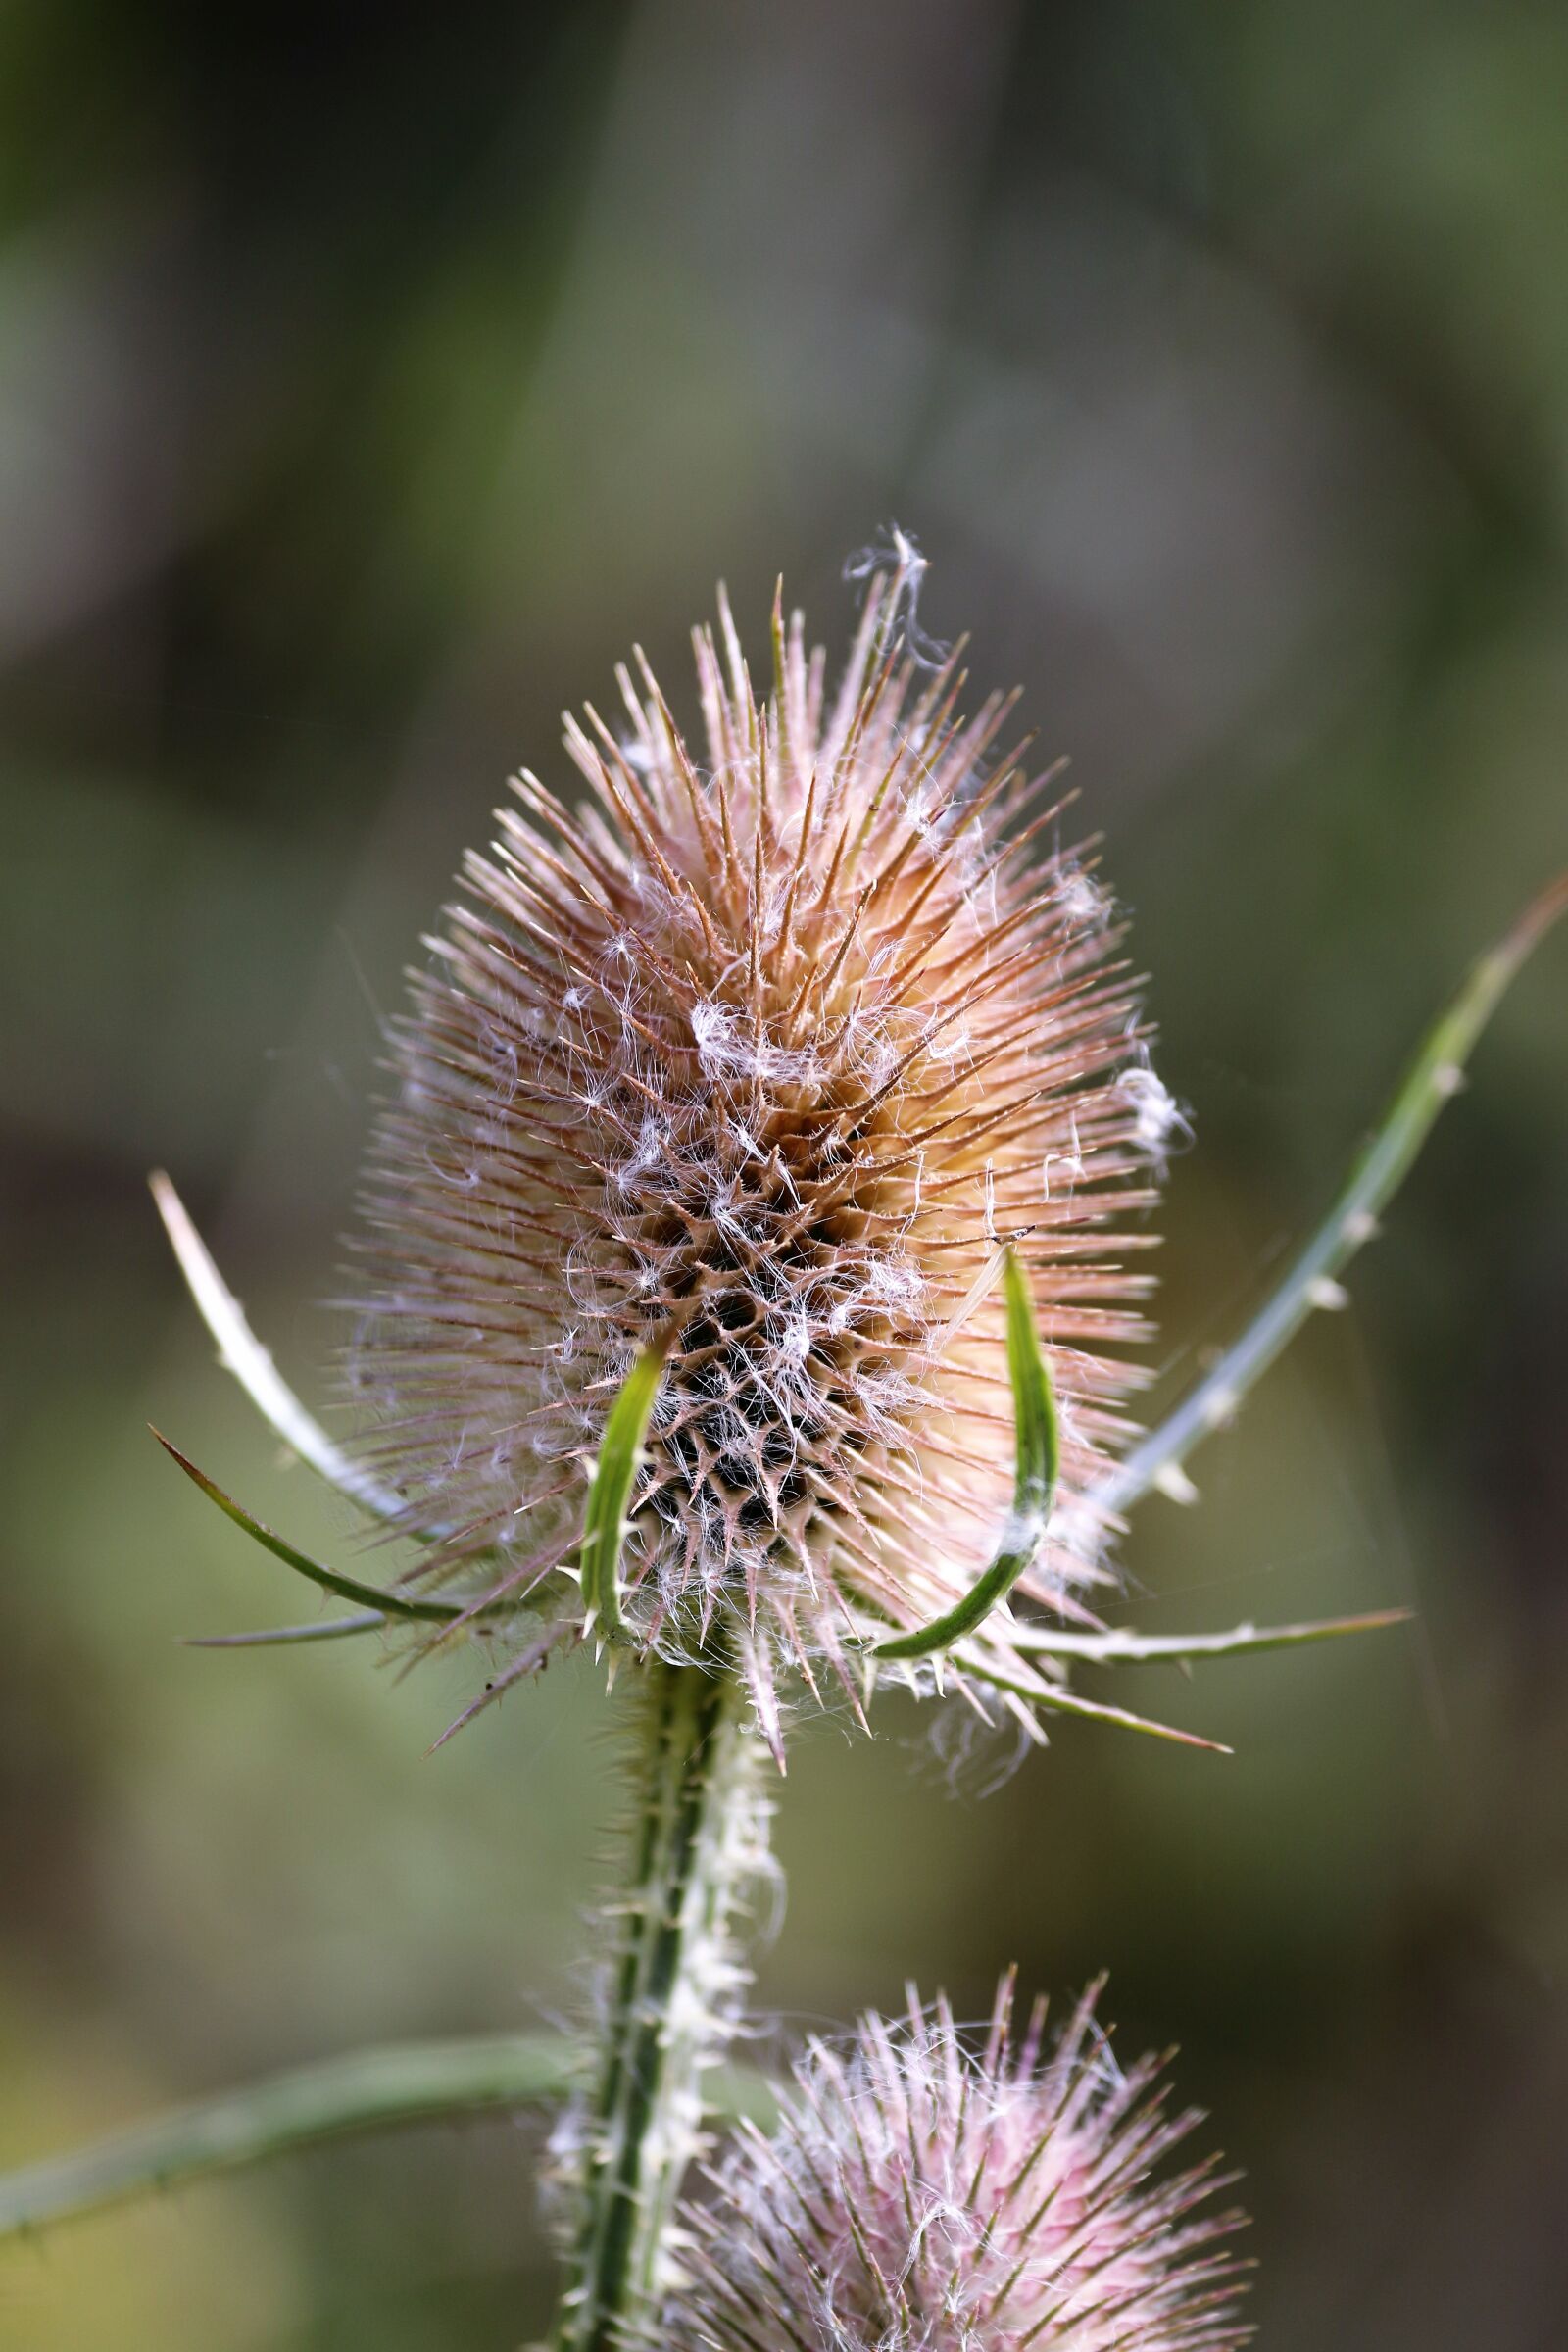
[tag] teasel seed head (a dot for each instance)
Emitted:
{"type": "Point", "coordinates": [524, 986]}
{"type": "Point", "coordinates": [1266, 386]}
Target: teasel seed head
{"type": "Point", "coordinates": [921, 2196]}
{"type": "Point", "coordinates": [760, 1054]}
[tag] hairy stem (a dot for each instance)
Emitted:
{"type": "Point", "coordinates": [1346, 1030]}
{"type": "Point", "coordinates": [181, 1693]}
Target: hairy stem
{"type": "Point", "coordinates": [698, 1840]}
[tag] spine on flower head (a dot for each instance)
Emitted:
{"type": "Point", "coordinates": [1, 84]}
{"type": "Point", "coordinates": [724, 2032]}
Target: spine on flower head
{"type": "Point", "coordinates": [929, 2195]}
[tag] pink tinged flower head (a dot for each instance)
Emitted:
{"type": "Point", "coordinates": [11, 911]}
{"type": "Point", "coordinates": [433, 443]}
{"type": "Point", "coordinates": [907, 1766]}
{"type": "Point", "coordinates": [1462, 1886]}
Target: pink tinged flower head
{"type": "Point", "coordinates": [920, 2196]}
{"type": "Point", "coordinates": [761, 1049]}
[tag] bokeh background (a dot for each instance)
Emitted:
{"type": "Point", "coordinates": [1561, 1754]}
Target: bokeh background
{"type": "Point", "coordinates": [362, 394]}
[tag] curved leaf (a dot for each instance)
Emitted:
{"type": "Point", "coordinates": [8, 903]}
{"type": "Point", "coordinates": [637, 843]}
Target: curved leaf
{"type": "Point", "coordinates": [1055, 1699]}
{"type": "Point", "coordinates": [281, 1637]}
{"type": "Point", "coordinates": [241, 1353]}
{"type": "Point", "coordinates": [348, 1588]}
{"type": "Point", "coordinates": [367, 2090]}
{"type": "Point", "coordinates": [1037, 1454]}
{"type": "Point", "coordinates": [1431, 1079]}
{"type": "Point", "coordinates": [605, 1522]}
{"type": "Point", "coordinates": [1115, 1648]}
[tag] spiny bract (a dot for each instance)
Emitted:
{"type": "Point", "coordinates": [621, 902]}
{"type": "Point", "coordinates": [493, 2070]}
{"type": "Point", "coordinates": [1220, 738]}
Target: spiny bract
{"type": "Point", "coordinates": [918, 2197]}
{"type": "Point", "coordinates": [762, 1053]}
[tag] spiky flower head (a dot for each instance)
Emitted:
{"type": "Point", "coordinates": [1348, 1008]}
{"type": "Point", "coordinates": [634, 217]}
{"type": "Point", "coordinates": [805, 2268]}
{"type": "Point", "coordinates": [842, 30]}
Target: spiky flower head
{"type": "Point", "coordinates": [759, 1052]}
{"type": "Point", "coordinates": [920, 2196]}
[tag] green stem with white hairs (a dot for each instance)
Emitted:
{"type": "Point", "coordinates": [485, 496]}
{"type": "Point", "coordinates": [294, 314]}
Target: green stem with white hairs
{"type": "Point", "coordinates": [698, 1843]}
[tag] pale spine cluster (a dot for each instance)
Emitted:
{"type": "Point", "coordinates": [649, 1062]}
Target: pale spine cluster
{"type": "Point", "coordinates": [762, 1055]}
{"type": "Point", "coordinates": [921, 2195]}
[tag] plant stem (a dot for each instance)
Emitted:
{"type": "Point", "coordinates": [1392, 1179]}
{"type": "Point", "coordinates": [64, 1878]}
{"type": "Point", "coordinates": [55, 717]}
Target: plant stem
{"type": "Point", "coordinates": [363, 2092]}
{"type": "Point", "coordinates": [699, 1839]}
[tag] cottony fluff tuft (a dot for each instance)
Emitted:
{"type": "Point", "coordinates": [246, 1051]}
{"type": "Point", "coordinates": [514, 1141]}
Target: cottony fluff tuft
{"type": "Point", "coordinates": [762, 1047]}
{"type": "Point", "coordinates": [920, 2198]}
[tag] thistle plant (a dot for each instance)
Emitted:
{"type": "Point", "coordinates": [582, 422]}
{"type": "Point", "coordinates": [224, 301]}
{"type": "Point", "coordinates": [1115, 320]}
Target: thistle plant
{"type": "Point", "coordinates": [923, 2195]}
{"type": "Point", "coordinates": [753, 1059]}
{"type": "Point", "coordinates": [747, 1262]}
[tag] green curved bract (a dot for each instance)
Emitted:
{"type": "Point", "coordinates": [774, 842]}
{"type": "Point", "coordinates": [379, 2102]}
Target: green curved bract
{"type": "Point", "coordinates": [1038, 1454]}
{"type": "Point", "coordinates": [605, 1522]}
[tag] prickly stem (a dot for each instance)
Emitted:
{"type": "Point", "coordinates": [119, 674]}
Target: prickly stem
{"type": "Point", "coordinates": [699, 1841]}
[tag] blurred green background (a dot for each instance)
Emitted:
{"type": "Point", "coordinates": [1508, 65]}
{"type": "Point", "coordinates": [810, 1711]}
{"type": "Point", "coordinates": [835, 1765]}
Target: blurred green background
{"type": "Point", "coordinates": [363, 395]}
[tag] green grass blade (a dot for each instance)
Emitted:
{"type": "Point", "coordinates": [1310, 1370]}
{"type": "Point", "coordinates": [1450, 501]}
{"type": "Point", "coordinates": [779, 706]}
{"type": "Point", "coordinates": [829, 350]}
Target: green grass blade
{"type": "Point", "coordinates": [1118, 1648]}
{"type": "Point", "coordinates": [347, 1587]}
{"type": "Point", "coordinates": [369, 2090]}
{"type": "Point", "coordinates": [241, 1353]}
{"type": "Point", "coordinates": [1037, 1446]}
{"type": "Point", "coordinates": [1432, 1078]}
{"type": "Point", "coordinates": [604, 1521]}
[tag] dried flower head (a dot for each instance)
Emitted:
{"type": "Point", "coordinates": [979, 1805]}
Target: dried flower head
{"type": "Point", "coordinates": [761, 1051]}
{"type": "Point", "coordinates": [918, 2197]}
